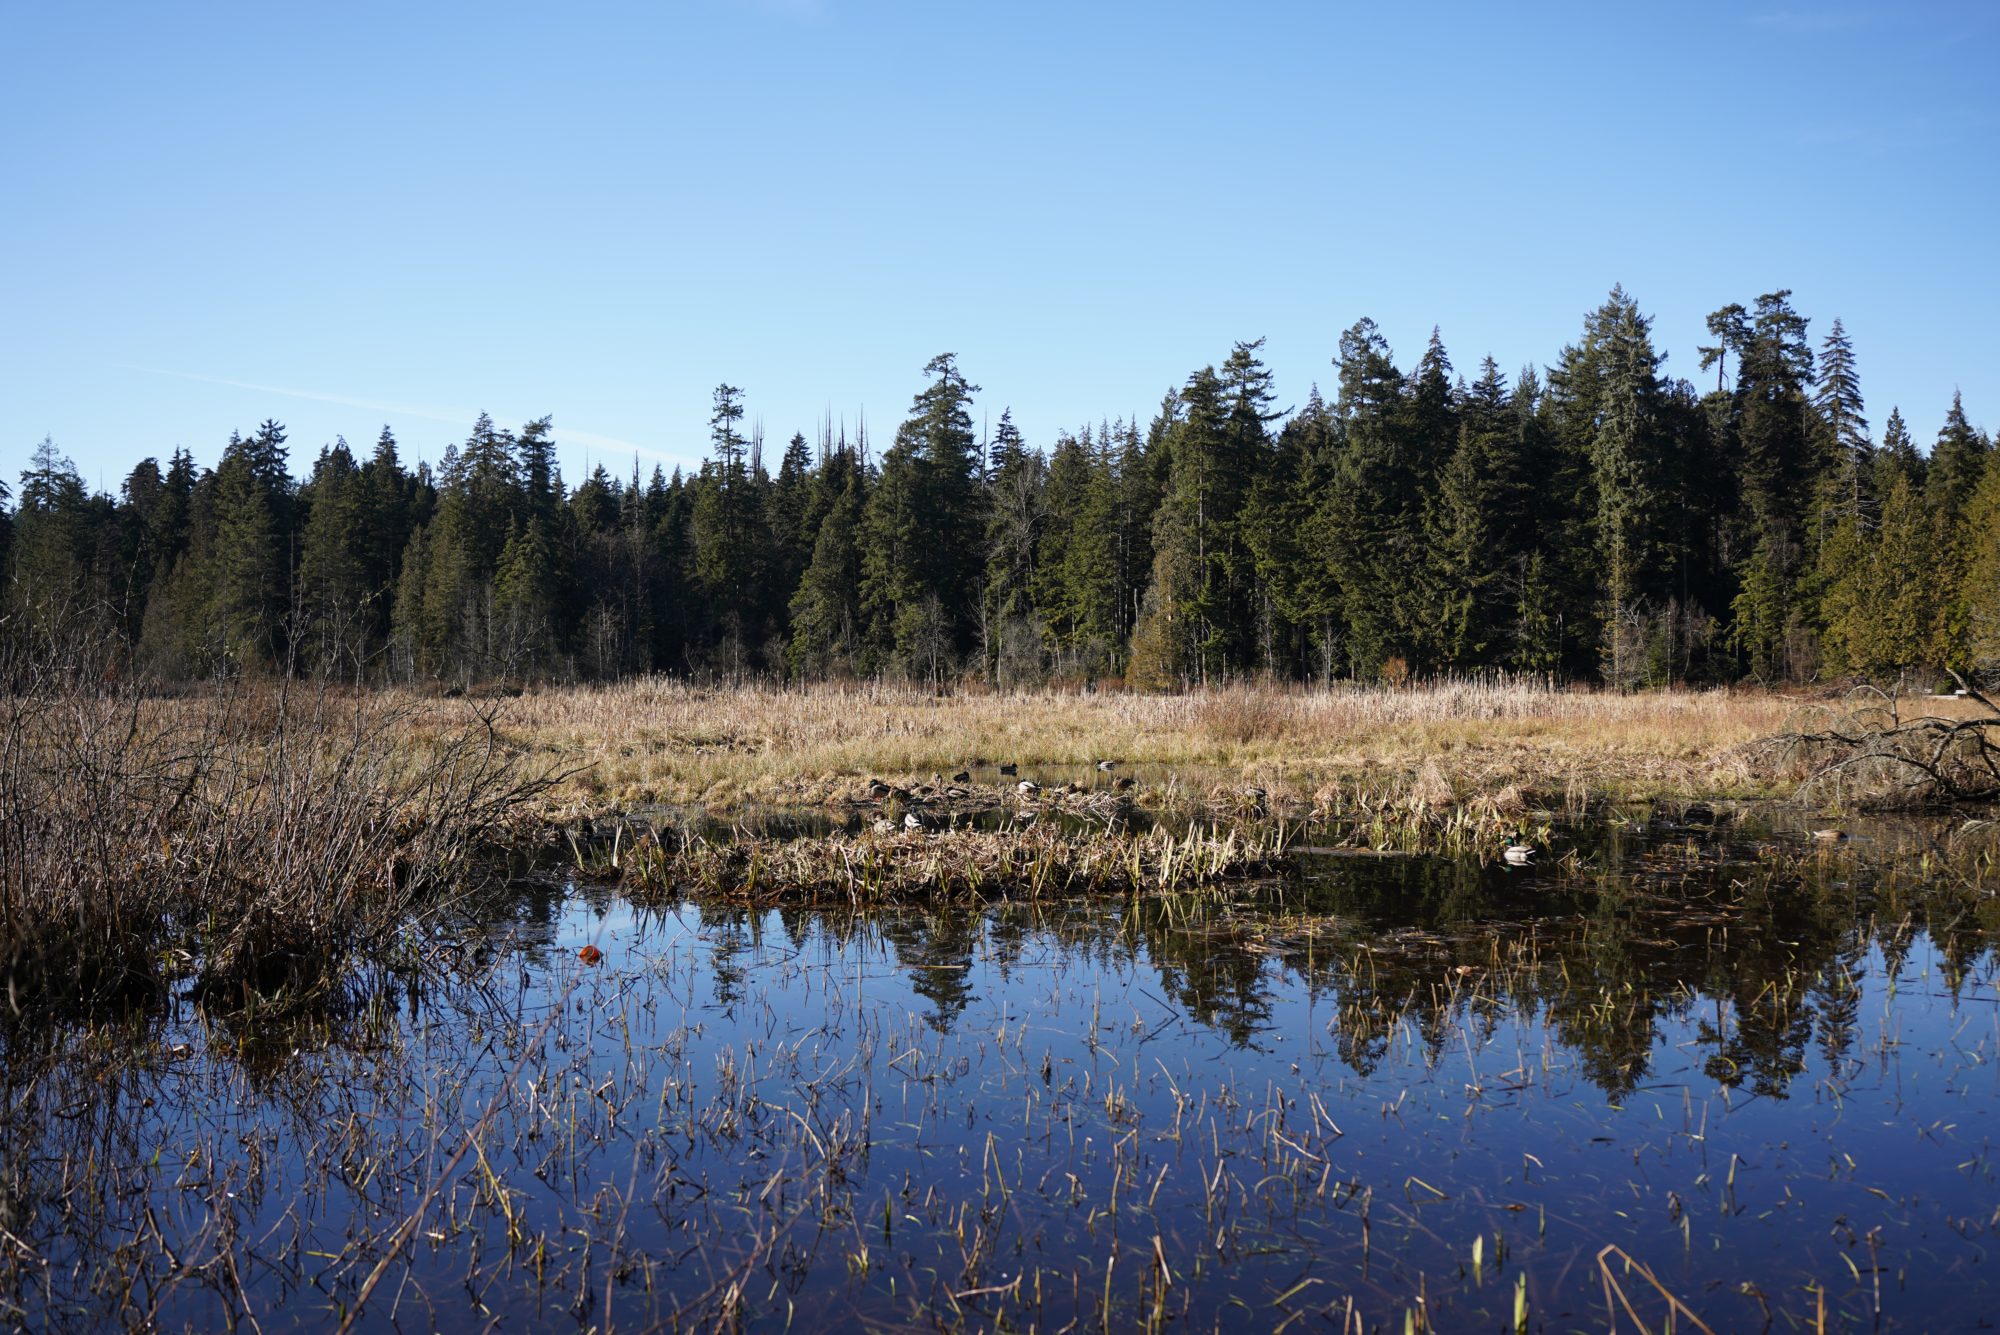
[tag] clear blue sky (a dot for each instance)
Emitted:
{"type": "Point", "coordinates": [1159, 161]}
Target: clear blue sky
{"type": "Point", "coordinates": [341, 215]}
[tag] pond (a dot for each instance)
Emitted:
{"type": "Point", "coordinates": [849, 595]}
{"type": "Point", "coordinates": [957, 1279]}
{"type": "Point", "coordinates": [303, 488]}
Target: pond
{"type": "Point", "coordinates": [1703, 1067]}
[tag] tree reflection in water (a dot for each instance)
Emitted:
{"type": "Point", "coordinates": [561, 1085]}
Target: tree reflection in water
{"type": "Point", "coordinates": [1151, 1105]}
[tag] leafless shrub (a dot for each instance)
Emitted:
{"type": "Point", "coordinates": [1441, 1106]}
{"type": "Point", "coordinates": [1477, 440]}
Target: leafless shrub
{"type": "Point", "coordinates": [253, 837]}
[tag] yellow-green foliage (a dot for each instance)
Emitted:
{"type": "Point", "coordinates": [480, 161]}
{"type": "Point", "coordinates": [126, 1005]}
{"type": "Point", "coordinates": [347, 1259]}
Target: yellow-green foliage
{"type": "Point", "coordinates": [1980, 584]}
{"type": "Point", "coordinates": [1889, 604]}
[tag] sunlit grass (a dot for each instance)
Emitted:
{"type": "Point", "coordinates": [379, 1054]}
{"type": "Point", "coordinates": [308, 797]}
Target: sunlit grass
{"type": "Point", "coordinates": [662, 741]}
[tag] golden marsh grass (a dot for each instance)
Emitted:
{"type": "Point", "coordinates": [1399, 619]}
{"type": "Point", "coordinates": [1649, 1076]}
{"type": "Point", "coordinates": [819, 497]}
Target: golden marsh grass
{"type": "Point", "coordinates": [659, 741]}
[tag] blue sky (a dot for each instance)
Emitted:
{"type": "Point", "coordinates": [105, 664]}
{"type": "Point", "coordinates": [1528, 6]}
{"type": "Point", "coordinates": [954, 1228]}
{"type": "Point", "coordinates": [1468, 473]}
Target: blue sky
{"type": "Point", "coordinates": [342, 216]}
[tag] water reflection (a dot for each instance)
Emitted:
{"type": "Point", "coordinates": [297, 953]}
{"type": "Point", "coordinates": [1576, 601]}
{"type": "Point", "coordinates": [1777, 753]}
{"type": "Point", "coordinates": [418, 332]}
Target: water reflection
{"type": "Point", "coordinates": [1768, 1075]}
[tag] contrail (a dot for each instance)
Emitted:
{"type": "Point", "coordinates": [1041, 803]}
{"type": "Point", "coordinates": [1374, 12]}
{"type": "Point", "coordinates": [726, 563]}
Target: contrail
{"type": "Point", "coordinates": [590, 438]}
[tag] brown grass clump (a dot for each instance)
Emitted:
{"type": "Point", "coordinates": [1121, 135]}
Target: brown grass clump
{"type": "Point", "coordinates": [872, 868]}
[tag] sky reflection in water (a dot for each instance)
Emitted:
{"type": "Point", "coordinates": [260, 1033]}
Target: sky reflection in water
{"type": "Point", "coordinates": [1309, 1100]}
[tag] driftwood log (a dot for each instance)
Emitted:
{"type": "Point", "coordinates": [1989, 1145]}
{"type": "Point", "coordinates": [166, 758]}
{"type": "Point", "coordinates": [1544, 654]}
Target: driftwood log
{"type": "Point", "coordinates": [1873, 754]}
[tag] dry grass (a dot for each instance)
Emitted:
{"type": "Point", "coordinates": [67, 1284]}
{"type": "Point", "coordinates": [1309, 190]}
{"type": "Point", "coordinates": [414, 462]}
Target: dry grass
{"type": "Point", "coordinates": [955, 864]}
{"type": "Point", "coordinates": [658, 741]}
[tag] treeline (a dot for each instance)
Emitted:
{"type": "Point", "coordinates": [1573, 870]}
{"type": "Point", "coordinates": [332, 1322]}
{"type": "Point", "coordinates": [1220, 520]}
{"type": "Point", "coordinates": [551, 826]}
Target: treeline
{"type": "Point", "coordinates": [1596, 519]}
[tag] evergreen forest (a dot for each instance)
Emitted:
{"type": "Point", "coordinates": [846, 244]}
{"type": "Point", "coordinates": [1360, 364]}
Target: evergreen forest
{"type": "Point", "coordinates": [1596, 519]}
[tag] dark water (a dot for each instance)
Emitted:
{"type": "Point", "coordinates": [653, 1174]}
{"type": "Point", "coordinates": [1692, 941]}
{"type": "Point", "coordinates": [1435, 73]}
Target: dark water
{"type": "Point", "coordinates": [1389, 1090]}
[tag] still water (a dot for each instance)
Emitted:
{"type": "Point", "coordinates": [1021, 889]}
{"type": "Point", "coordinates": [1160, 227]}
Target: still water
{"type": "Point", "coordinates": [1386, 1093]}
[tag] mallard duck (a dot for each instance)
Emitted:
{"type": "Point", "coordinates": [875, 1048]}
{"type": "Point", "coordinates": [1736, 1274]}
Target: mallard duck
{"type": "Point", "coordinates": [1517, 855]}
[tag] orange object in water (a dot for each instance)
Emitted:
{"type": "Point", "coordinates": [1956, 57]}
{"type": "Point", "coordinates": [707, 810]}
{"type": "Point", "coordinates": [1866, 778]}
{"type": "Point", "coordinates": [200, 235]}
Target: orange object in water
{"type": "Point", "coordinates": [590, 955]}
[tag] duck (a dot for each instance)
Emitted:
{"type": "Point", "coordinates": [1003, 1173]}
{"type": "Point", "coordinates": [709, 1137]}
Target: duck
{"type": "Point", "coordinates": [963, 776]}
{"type": "Point", "coordinates": [1517, 855]}
{"type": "Point", "coordinates": [1122, 784]}
{"type": "Point", "coordinates": [1106, 766]}
{"type": "Point", "coordinates": [879, 790]}
{"type": "Point", "coordinates": [1027, 788]}
{"type": "Point", "coordinates": [957, 794]}
{"type": "Point", "coordinates": [1010, 769]}
{"type": "Point", "coordinates": [1830, 836]}
{"type": "Point", "coordinates": [912, 821]}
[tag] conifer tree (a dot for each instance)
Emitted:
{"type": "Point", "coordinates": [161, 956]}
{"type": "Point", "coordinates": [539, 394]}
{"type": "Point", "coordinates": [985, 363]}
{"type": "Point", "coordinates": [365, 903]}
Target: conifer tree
{"type": "Point", "coordinates": [1590, 524]}
{"type": "Point", "coordinates": [1885, 613]}
{"type": "Point", "coordinates": [1371, 518]}
{"type": "Point", "coordinates": [540, 482]}
{"type": "Point", "coordinates": [1016, 513]}
{"type": "Point", "coordinates": [1846, 453]}
{"type": "Point", "coordinates": [386, 514]}
{"type": "Point", "coordinates": [826, 611]}
{"type": "Point", "coordinates": [52, 540]}
{"type": "Point", "coordinates": [407, 650]}
{"type": "Point", "coordinates": [1192, 535]}
{"type": "Point", "coordinates": [1779, 471]}
{"type": "Point", "coordinates": [6, 543]}
{"type": "Point", "coordinates": [336, 597]}
{"type": "Point", "coordinates": [1957, 462]}
{"type": "Point", "coordinates": [1979, 576]}
{"type": "Point", "coordinates": [1897, 457]}
{"type": "Point", "coordinates": [1279, 527]}
{"type": "Point", "coordinates": [248, 572]}
{"type": "Point", "coordinates": [1631, 476]}
{"type": "Point", "coordinates": [919, 571]}
{"type": "Point", "coordinates": [525, 596]}
{"type": "Point", "coordinates": [791, 538]}
{"type": "Point", "coordinates": [730, 541]}
{"type": "Point", "coordinates": [1076, 571]}
{"type": "Point", "coordinates": [1479, 527]}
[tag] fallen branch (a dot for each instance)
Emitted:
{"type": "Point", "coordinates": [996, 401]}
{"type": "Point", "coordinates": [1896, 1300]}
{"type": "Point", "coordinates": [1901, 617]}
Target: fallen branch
{"type": "Point", "coordinates": [1893, 762]}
